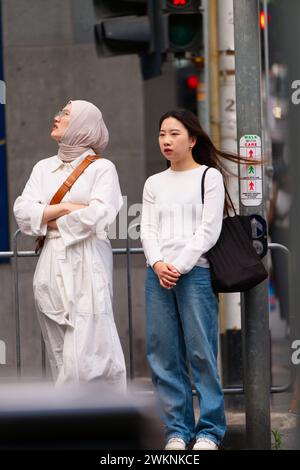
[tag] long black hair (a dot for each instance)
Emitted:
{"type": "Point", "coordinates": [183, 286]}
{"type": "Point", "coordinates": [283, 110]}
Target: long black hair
{"type": "Point", "coordinates": [204, 152]}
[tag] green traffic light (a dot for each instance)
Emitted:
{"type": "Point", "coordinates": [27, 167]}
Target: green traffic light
{"type": "Point", "coordinates": [183, 29]}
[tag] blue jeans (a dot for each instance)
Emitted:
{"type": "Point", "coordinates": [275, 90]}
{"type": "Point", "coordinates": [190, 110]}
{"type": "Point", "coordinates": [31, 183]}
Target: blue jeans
{"type": "Point", "coordinates": [182, 331]}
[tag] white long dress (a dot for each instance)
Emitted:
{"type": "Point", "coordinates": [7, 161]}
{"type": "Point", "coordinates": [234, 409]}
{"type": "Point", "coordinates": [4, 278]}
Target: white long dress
{"type": "Point", "coordinates": [73, 278]}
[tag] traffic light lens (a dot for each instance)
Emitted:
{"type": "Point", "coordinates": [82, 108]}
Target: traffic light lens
{"type": "Point", "coordinates": [183, 29]}
{"type": "Point", "coordinates": [178, 3]}
{"type": "Point", "coordinates": [192, 82]}
{"type": "Point", "coordinates": [262, 20]}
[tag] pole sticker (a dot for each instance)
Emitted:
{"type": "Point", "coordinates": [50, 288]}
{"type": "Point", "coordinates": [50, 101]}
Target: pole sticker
{"type": "Point", "coordinates": [251, 174]}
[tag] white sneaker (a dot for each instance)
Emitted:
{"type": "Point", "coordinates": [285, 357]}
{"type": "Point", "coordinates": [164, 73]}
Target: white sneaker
{"type": "Point", "coordinates": [175, 443]}
{"type": "Point", "coordinates": [204, 443]}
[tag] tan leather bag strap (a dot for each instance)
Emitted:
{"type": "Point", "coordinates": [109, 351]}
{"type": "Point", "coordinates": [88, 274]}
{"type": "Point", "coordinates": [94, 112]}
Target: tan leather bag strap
{"type": "Point", "coordinates": [67, 185]}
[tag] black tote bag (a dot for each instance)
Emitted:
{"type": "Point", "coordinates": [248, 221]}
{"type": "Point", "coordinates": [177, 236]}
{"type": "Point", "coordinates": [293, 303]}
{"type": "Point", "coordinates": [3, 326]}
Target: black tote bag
{"type": "Point", "coordinates": [235, 266]}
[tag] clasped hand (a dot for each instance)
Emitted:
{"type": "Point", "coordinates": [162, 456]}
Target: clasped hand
{"type": "Point", "coordinates": [167, 274]}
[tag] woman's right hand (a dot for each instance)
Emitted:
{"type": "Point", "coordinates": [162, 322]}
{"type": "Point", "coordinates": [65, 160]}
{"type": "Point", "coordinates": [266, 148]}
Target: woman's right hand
{"type": "Point", "coordinates": [167, 274]}
{"type": "Point", "coordinates": [55, 211]}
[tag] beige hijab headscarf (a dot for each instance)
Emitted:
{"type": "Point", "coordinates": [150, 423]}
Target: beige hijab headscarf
{"type": "Point", "coordinates": [86, 130]}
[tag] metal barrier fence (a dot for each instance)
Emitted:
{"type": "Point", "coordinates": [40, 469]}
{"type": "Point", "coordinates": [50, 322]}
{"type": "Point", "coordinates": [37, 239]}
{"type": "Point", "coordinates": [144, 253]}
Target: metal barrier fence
{"type": "Point", "coordinates": [128, 251]}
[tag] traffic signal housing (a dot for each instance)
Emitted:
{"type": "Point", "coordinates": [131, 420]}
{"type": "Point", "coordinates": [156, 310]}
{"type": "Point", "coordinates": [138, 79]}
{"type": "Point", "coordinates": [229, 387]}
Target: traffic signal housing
{"type": "Point", "coordinates": [182, 22]}
{"type": "Point", "coordinates": [187, 79]}
{"type": "Point", "coordinates": [130, 27]}
{"type": "Point", "coordinates": [125, 27]}
{"type": "Point", "coordinates": [150, 28]}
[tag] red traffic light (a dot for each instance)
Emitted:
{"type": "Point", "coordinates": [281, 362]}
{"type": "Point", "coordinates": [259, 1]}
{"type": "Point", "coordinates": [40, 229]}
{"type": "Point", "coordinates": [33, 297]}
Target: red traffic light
{"type": "Point", "coordinates": [183, 5]}
{"type": "Point", "coordinates": [262, 20]}
{"type": "Point", "coordinates": [178, 3]}
{"type": "Point", "coordinates": [192, 82]}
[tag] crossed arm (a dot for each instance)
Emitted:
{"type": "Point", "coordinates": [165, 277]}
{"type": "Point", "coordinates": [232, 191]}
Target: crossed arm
{"type": "Point", "coordinates": [53, 212]}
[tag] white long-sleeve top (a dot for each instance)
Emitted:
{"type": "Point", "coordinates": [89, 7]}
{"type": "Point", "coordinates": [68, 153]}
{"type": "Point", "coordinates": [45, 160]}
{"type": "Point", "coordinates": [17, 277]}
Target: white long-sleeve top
{"type": "Point", "coordinates": [98, 187]}
{"type": "Point", "coordinates": [175, 228]}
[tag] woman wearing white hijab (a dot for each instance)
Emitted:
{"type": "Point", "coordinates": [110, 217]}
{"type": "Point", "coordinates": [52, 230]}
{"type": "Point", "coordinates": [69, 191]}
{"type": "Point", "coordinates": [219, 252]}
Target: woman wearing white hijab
{"type": "Point", "coordinates": [73, 278]}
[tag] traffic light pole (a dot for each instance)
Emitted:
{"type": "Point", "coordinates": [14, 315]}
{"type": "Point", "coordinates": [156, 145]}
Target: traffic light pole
{"type": "Point", "coordinates": [230, 315]}
{"type": "Point", "coordinates": [255, 315]}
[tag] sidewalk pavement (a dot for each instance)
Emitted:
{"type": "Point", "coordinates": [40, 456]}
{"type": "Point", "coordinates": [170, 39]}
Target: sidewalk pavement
{"type": "Point", "coordinates": [285, 425]}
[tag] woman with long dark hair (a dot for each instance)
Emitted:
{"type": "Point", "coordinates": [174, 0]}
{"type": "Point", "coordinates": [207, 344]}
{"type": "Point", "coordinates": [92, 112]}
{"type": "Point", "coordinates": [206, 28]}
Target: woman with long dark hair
{"type": "Point", "coordinates": [181, 307]}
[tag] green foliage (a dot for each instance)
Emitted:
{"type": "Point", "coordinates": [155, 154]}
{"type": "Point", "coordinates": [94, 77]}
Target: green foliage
{"type": "Point", "coordinates": [277, 437]}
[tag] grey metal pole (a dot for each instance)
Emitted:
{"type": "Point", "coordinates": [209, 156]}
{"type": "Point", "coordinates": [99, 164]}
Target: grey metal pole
{"type": "Point", "coordinates": [267, 66]}
{"type": "Point", "coordinates": [129, 303]}
{"type": "Point", "coordinates": [16, 302]}
{"type": "Point", "coordinates": [204, 106]}
{"type": "Point", "coordinates": [255, 315]}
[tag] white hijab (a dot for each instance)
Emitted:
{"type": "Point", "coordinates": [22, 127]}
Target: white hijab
{"type": "Point", "coordinates": [86, 130]}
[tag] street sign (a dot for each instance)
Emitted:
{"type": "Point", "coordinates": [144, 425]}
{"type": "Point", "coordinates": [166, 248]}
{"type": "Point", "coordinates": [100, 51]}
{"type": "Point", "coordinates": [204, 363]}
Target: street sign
{"type": "Point", "coordinates": [251, 174]}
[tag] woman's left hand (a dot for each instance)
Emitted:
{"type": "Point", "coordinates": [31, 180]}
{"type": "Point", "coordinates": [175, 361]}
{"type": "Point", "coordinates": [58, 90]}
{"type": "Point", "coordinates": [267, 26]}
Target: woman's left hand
{"type": "Point", "coordinates": [166, 273]}
{"type": "Point", "coordinates": [52, 225]}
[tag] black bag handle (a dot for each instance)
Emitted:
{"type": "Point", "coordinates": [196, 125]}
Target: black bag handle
{"type": "Point", "coordinates": [226, 191]}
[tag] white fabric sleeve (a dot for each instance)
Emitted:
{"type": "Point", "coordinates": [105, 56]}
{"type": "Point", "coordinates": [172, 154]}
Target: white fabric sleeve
{"type": "Point", "coordinates": [105, 202]}
{"type": "Point", "coordinates": [28, 208]}
{"type": "Point", "coordinates": [149, 227]}
{"type": "Point", "coordinates": [207, 234]}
